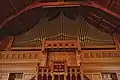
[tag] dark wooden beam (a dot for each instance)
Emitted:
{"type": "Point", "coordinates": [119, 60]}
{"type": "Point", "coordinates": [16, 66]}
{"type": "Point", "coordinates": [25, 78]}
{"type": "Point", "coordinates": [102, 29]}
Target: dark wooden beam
{"type": "Point", "coordinates": [109, 4]}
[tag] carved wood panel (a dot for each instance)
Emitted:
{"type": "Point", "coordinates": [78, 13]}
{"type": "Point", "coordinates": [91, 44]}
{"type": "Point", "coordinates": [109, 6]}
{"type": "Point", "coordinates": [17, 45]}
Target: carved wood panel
{"type": "Point", "coordinates": [28, 76]}
{"type": "Point", "coordinates": [70, 57]}
{"type": "Point", "coordinates": [21, 55]}
{"type": "Point", "coordinates": [4, 76]}
{"type": "Point", "coordinates": [102, 54]}
{"type": "Point", "coordinates": [93, 76]}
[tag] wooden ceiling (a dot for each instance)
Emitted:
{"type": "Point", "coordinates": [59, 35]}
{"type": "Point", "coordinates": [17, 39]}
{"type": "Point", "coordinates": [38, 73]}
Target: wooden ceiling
{"type": "Point", "coordinates": [100, 19]}
{"type": "Point", "coordinates": [104, 21]}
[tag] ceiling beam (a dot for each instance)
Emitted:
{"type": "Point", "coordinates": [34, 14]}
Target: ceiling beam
{"type": "Point", "coordinates": [15, 9]}
{"type": "Point", "coordinates": [109, 4]}
{"type": "Point", "coordinates": [102, 18]}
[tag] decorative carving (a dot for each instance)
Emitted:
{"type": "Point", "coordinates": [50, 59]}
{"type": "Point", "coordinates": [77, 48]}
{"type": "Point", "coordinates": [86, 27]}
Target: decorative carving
{"type": "Point", "coordinates": [93, 76]}
{"type": "Point", "coordinates": [21, 55]}
{"type": "Point", "coordinates": [61, 44]}
{"type": "Point", "coordinates": [70, 57]}
{"type": "Point", "coordinates": [28, 76]}
{"type": "Point", "coordinates": [118, 75]}
{"type": "Point", "coordinates": [89, 76]}
{"type": "Point", "coordinates": [101, 54]}
{"type": "Point", "coordinates": [96, 77]}
{"type": "Point", "coordinates": [4, 76]}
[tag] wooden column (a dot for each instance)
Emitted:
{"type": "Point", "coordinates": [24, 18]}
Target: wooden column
{"type": "Point", "coordinates": [52, 76]}
{"type": "Point", "coordinates": [81, 67]}
{"type": "Point", "coordinates": [65, 76]}
{"type": "Point", "coordinates": [75, 76]}
{"type": "Point", "coordinates": [6, 43]}
{"type": "Point", "coordinates": [59, 77]}
{"type": "Point", "coordinates": [70, 76]}
{"type": "Point", "coordinates": [37, 71]}
{"type": "Point", "coordinates": [41, 76]}
{"type": "Point", "coordinates": [117, 40]}
{"type": "Point", "coordinates": [47, 76]}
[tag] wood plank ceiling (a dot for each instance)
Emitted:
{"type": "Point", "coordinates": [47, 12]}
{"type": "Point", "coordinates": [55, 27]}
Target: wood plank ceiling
{"type": "Point", "coordinates": [99, 19]}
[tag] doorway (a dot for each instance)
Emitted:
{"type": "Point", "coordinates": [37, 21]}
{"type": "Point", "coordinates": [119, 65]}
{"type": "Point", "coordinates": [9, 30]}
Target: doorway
{"type": "Point", "coordinates": [58, 77]}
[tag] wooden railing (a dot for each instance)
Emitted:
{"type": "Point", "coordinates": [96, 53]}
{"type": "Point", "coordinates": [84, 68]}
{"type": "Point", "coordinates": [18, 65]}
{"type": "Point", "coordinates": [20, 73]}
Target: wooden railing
{"type": "Point", "coordinates": [38, 54]}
